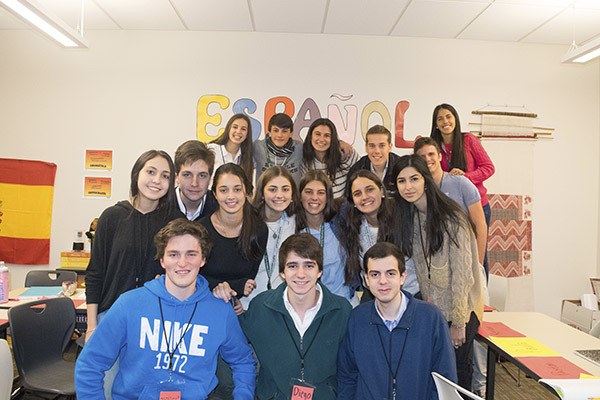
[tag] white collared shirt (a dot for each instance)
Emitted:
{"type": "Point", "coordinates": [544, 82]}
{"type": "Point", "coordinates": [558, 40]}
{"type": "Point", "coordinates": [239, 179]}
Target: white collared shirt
{"type": "Point", "coordinates": [392, 324]}
{"type": "Point", "coordinates": [189, 215]}
{"type": "Point", "coordinates": [222, 156]}
{"type": "Point", "coordinates": [302, 325]}
{"type": "Point", "coordinates": [384, 169]}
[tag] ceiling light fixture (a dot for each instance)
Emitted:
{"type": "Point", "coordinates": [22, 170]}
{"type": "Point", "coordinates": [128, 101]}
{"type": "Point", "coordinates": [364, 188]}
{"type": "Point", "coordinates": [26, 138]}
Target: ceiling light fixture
{"type": "Point", "coordinates": [35, 14]}
{"type": "Point", "coordinates": [582, 54]}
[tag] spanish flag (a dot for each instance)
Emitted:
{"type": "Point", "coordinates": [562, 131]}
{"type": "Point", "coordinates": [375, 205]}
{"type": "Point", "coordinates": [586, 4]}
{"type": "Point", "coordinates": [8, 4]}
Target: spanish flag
{"type": "Point", "coordinates": [26, 193]}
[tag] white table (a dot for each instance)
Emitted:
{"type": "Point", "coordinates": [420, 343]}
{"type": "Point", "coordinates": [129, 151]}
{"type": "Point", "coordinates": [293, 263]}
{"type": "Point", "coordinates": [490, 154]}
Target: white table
{"type": "Point", "coordinates": [15, 301]}
{"type": "Point", "coordinates": [554, 334]}
{"type": "Point", "coordinates": [78, 300]}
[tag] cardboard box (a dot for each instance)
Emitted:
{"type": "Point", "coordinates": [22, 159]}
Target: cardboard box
{"type": "Point", "coordinates": [579, 317]}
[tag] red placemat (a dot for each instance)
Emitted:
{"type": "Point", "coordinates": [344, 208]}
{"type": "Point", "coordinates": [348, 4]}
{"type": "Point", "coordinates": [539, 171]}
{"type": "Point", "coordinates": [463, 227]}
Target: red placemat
{"type": "Point", "coordinates": [77, 303]}
{"type": "Point", "coordinates": [553, 367]}
{"type": "Point", "coordinates": [497, 329]}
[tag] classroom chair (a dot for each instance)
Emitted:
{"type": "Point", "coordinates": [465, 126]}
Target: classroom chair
{"type": "Point", "coordinates": [41, 331]}
{"type": "Point", "coordinates": [595, 332]}
{"type": "Point", "coordinates": [448, 390]}
{"type": "Point", "coordinates": [49, 278]}
{"type": "Point", "coordinates": [6, 371]}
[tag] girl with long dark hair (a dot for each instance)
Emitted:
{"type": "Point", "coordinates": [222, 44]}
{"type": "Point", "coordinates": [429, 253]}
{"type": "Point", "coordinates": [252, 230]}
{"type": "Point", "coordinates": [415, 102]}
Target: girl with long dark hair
{"type": "Point", "coordinates": [439, 237]}
{"type": "Point", "coordinates": [275, 200]}
{"type": "Point", "coordinates": [239, 236]}
{"type": "Point", "coordinates": [316, 218]}
{"type": "Point", "coordinates": [322, 152]}
{"type": "Point", "coordinates": [123, 253]}
{"type": "Point", "coordinates": [234, 145]}
{"type": "Point", "coordinates": [366, 218]}
{"type": "Point", "coordinates": [462, 154]}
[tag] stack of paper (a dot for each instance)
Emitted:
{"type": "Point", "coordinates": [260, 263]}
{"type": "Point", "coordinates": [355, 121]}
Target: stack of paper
{"type": "Point", "coordinates": [575, 389]}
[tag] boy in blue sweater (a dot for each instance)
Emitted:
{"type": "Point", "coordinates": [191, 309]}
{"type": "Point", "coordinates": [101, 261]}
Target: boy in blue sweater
{"type": "Point", "coordinates": [394, 342]}
{"type": "Point", "coordinates": [167, 335]}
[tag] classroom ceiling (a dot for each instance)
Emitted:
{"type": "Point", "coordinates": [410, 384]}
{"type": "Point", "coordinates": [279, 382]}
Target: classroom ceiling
{"type": "Point", "coordinates": [527, 21]}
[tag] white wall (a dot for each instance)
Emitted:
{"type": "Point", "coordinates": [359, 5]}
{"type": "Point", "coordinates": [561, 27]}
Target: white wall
{"type": "Point", "coordinates": [138, 90]}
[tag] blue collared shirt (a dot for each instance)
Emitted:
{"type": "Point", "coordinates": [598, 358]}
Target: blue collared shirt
{"type": "Point", "coordinates": [391, 324]}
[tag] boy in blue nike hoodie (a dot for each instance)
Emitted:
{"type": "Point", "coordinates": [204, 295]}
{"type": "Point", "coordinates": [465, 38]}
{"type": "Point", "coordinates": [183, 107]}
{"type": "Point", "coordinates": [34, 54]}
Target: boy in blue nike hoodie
{"type": "Point", "coordinates": [168, 334]}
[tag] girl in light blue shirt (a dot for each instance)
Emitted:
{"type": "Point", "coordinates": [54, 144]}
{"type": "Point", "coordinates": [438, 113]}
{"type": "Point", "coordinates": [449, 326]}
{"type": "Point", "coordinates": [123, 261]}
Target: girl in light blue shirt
{"type": "Point", "coordinates": [318, 209]}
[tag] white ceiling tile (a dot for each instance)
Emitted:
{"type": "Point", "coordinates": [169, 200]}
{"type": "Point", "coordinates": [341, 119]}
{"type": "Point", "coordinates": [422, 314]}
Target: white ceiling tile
{"type": "Point", "coordinates": [442, 19]}
{"type": "Point", "coordinates": [296, 16]}
{"type": "Point", "coordinates": [594, 4]}
{"type": "Point", "coordinates": [464, 1]}
{"type": "Point", "coordinates": [214, 15]}
{"type": "Point", "coordinates": [67, 10]}
{"type": "Point", "coordinates": [548, 3]}
{"type": "Point", "coordinates": [531, 21]}
{"type": "Point", "coordinates": [508, 22]}
{"type": "Point", "coordinates": [70, 12]}
{"type": "Point", "coordinates": [572, 24]}
{"type": "Point", "coordinates": [363, 17]}
{"type": "Point", "coordinates": [142, 14]}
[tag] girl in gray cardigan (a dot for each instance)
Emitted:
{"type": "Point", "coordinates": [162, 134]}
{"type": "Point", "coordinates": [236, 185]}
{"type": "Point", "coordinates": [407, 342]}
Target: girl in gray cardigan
{"type": "Point", "coordinates": [440, 237]}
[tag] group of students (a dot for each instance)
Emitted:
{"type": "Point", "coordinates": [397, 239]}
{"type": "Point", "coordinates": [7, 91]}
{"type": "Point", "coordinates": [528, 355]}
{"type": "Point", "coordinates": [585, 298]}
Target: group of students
{"type": "Point", "coordinates": [332, 225]}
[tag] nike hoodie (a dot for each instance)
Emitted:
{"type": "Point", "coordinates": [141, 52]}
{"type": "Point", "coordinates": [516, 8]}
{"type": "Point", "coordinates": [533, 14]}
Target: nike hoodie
{"type": "Point", "coordinates": [135, 332]}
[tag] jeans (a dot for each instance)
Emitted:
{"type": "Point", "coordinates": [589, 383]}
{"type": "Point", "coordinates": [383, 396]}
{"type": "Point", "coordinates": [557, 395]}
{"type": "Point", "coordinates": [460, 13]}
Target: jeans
{"type": "Point", "coordinates": [487, 211]}
{"type": "Point", "coordinates": [464, 367]}
{"type": "Point", "coordinates": [479, 366]}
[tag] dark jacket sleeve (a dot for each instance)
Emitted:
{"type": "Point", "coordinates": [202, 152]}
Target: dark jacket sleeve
{"type": "Point", "coordinates": [210, 206]}
{"type": "Point", "coordinates": [96, 269]}
{"type": "Point", "coordinates": [347, 371]}
{"type": "Point", "coordinates": [360, 164]}
{"type": "Point", "coordinates": [445, 359]}
{"type": "Point", "coordinates": [389, 180]}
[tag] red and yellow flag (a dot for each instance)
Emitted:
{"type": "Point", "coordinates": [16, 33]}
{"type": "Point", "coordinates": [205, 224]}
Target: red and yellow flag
{"type": "Point", "coordinates": [26, 193]}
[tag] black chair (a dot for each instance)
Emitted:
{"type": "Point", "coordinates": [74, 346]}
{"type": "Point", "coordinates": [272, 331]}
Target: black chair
{"type": "Point", "coordinates": [49, 278]}
{"type": "Point", "coordinates": [41, 331]}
